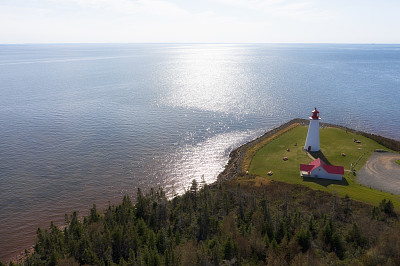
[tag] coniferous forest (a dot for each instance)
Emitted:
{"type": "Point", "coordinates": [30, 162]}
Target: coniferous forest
{"type": "Point", "coordinates": [237, 222]}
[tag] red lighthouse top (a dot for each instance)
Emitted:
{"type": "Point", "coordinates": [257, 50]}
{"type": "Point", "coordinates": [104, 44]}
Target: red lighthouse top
{"type": "Point", "coordinates": [315, 115]}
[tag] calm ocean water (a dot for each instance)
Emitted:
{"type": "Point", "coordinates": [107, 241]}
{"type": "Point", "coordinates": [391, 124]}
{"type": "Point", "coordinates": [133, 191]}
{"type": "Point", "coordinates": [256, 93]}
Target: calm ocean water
{"type": "Point", "coordinates": [83, 124]}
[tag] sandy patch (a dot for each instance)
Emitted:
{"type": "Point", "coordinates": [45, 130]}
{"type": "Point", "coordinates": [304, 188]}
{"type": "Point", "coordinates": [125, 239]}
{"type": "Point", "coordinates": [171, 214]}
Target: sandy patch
{"type": "Point", "coordinates": [381, 172]}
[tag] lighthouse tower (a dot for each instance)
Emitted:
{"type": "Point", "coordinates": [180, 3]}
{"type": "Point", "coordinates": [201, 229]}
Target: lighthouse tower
{"type": "Point", "coordinates": [312, 141]}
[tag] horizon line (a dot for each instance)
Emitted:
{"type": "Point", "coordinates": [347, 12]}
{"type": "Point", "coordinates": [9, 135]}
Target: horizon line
{"type": "Point", "coordinates": [281, 43]}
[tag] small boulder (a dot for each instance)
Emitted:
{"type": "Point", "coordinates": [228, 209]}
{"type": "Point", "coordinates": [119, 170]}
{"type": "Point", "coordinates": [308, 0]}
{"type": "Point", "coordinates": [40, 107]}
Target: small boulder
{"type": "Point", "coordinates": [270, 173]}
{"type": "Point", "coordinates": [285, 158]}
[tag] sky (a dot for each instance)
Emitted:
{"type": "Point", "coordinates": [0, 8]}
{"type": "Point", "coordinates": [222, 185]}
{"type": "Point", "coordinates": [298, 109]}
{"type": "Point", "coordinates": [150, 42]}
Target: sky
{"type": "Point", "coordinates": [199, 21]}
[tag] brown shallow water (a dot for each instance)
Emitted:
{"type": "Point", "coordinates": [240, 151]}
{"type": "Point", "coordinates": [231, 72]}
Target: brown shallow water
{"type": "Point", "coordinates": [84, 124]}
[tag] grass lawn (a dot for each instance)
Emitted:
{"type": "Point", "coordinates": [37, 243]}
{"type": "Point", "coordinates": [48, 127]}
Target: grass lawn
{"type": "Point", "coordinates": [397, 161]}
{"type": "Point", "coordinates": [333, 142]}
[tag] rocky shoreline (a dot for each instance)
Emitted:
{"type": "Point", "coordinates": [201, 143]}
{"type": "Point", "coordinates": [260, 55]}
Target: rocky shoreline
{"type": "Point", "coordinates": [236, 157]}
{"type": "Point", "coordinates": [234, 167]}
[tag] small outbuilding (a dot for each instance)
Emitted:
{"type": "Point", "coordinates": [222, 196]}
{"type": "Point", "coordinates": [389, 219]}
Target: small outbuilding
{"type": "Point", "coordinates": [319, 169]}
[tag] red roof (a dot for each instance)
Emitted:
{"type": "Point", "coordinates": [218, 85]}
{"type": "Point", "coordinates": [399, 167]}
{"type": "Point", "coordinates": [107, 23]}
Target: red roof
{"type": "Point", "coordinates": [338, 170]}
{"type": "Point", "coordinates": [306, 167]}
{"type": "Point", "coordinates": [315, 114]}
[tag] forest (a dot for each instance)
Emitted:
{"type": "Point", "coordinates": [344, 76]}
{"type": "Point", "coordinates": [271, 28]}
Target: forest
{"type": "Point", "coordinates": [244, 221]}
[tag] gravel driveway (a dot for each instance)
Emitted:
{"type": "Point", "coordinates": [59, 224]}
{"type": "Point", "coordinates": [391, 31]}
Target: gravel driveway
{"type": "Point", "coordinates": [381, 172]}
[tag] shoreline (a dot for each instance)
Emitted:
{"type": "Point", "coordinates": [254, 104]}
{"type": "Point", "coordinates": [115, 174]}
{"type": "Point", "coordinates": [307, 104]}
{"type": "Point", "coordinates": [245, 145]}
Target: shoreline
{"type": "Point", "coordinates": [235, 164]}
{"type": "Point", "coordinates": [236, 157]}
{"type": "Point", "coordinates": [234, 167]}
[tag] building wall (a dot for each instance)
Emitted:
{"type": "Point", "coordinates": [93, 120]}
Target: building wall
{"type": "Point", "coordinates": [320, 172]}
{"type": "Point", "coordinates": [313, 136]}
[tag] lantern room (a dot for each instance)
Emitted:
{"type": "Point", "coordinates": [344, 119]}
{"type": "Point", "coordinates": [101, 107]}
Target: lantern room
{"type": "Point", "coordinates": [315, 115]}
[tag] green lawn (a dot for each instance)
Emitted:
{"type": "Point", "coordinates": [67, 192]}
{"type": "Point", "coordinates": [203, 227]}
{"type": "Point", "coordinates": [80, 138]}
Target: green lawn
{"type": "Point", "coordinates": [333, 143]}
{"type": "Point", "coordinates": [398, 162]}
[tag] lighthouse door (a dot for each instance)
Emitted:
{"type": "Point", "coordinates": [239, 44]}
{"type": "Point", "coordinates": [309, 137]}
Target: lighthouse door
{"type": "Point", "coordinates": [309, 148]}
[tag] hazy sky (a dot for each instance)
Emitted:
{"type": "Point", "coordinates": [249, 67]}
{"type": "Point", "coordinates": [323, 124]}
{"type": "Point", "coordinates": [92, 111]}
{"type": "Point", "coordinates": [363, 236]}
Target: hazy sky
{"type": "Point", "coordinates": [269, 21]}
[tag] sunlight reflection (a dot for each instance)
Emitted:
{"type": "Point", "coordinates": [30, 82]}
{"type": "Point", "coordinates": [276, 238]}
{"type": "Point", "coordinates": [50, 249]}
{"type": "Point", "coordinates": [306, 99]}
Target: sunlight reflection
{"type": "Point", "coordinates": [204, 160]}
{"type": "Point", "coordinates": [211, 78]}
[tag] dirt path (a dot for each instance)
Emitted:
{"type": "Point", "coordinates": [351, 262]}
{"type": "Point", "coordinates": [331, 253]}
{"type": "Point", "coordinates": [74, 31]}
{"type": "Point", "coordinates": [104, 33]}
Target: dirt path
{"type": "Point", "coordinates": [381, 172]}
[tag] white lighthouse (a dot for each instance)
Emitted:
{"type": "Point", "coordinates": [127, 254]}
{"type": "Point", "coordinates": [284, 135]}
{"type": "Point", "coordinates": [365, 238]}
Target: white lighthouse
{"type": "Point", "coordinates": [312, 141]}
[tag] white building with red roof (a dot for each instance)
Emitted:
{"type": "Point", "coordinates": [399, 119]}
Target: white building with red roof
{"type": "Point", "coordinates": [319, 169]}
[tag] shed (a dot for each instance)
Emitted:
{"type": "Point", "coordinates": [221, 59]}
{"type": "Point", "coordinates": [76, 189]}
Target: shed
{"type": "Point", "coordinates": [319, 169]}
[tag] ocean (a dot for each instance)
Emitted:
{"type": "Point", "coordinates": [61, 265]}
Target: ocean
{"type": "Point", "coordinates": [90, 123]}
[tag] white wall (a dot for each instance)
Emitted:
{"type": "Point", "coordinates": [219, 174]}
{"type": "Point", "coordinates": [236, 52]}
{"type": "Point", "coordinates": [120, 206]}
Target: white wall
{"type": "Point", "coordinates": [320, 172]}
{"type": "Point", "coordinates": [313, 136]}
